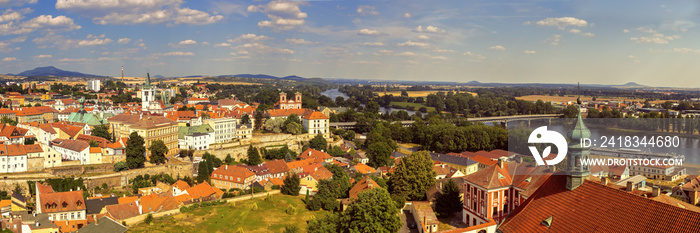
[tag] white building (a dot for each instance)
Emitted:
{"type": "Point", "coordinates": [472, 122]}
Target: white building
{"type": "Point", "coordinates": [195, 137]}
{"type": "Point", "coordinates": [316, 123]}
{"type": "Point", "coordinates": [93, 85]}
{"type": "Point", "coordinates": [12, 158]}
{"type": "Point", "coordinates": [224, 129]}
{"type": "Point", "coordinates": [72, 150]}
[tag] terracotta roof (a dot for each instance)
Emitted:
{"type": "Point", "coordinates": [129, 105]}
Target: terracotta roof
{"type": "Point", "coordinates": [158, 204]}
{"type": "Point", "coordinates": [321, 173]}
{"type": "Point", "coordinates": [441, 169]}
{"type": "Point", "coordinates": [87, 138]}
{"type": "Point", "coordinates": [313, 154]}
{"type": "Point", "coordinates": [483, 160]}
{"type": "Point", "coordinates": [12, 149]}
{"type": "Point", "coordinates": [48, 129]}
{"type": "Point", "coordinates": [69, 144]}
{"type": "Point", "coordinates": [46, 109]}
{"type": "Point", "coordinates": [593, 207]}
{"type": "Point", "coordinates": [123, 211]}
{"type": "Point", "coordinates": [315, 115]}
{"type": "Point", "coordinates": [43, 189]}
{"type": "Point", "coordinates": [4, 203]}
{"type": "Point", "coordinates": [129, 199]}
{"type": "Point", "coordinates": [71, 130]}
{"type": "Point", "coordinates": [69, 226]}
{"type": "Point", "coordinates": [277, 166]}
{"type": "Point", "coordinates": [277, 181]}
{"type": "Point", "coordinates": [286, 112]}
{"type": "Point", "coordinates": [61, 202]}
{"type": "Point", "coordinates": [235, 174]}
{"type": "Point", "coordinates": [365, 183]}
{"type": "Point", "coordinates": [181, 185]}
{"type": "Point", "coordinates": [364, 169]}
{"type": "Point", "coordinates": [95, 150]}
{"type": "Point", "coordinates": [28, 111]}
{"type": "Point", "coordinates": [9, 131]}
{"type": "Point", "coordinates": [299, 163]}
{"type": "Point", "coordinates": [203, 190]}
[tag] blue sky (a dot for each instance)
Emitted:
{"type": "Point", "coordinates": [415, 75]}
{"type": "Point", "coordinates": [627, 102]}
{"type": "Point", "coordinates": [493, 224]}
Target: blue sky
{"type": "Point", "coordinates": [609, 42]}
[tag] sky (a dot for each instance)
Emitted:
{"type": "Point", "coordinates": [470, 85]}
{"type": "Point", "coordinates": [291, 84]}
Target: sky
{"type": "Point", "coordinates": [653, 42]}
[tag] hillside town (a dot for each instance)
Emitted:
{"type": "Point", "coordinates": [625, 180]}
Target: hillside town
{"type": "Point", "coordinates": [140, 161]}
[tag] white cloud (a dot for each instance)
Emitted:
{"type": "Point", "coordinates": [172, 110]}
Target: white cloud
{"type": "Point", "coordinates": [123, 40]}
{"type": "Point", "coordinates": [561, 22]}
{"type": "Point", "coordinates": [407, 15]}
{"type": "Point", "coordinates": [529, 52]}
{"type": "Point", "coordinates": [10, 15]}
{"type": "Point", "coordinates": [497, 47]}
{"type": "Point", "coordinates": [474, 56]}
{"type": "Point", "coordinates": [383, 52]}
{"type": "Point", "coordinates": [368, 32]}
{"type": "Point", "coordinates": [187, 42]}
{"type": "Point", "coordinates": [625, 30]}
{"type": "Point", "coordinates": [553, 40]}
{"type": "Point", "coordinates": [249, 38]}
{"type": "Point", "coordinates": [373, 44]}
{"type": "Point", "coordinates": [205, 43]}
{"type": "Point", "coordinates": [577, 31]}
{"type": "Point", "coordinates": [94, 40]}
{"type": "Point", "coordinates": [283, 15]}
{"type": "Point", "coordinates": [224, 44]}
{"type": "Point", "coordinates": [588, 34]}
{"type": "Point", "coordinates": [430, 29]}
{"type": "Point", "coordinates": [9, 59]}
{"type": "Point", "coordinates": [414, 44]}
{"type": "Point", "coordinates": [367, 10]}
{"type": "Point", "coordinates": [443, 51]}
{"type": "Point", "coordinates": [261, 49]}
{"type": "Point", "coordinates": [230, 8]}
{"type": "Point", "coordinates": [423, 37]}
{"type": "Point", "coordinates": [406, 54]}
{"type": "Point", "coordinates": [44, 23]}
{"type": "Point", "coordinates": [655, 38]}
{"type": "Point", "coordinates": [137, 12]}
{"type": "Point", "coordinates": [293, 41]}
{"type": "Point", "coordinates": [9, 3]}
{"type": "Point", "coordinates": [43, 56]}
{"type": "Point", "coordinates": [176, 53]}
{"type": "Point", "coordinates": [73, 60]}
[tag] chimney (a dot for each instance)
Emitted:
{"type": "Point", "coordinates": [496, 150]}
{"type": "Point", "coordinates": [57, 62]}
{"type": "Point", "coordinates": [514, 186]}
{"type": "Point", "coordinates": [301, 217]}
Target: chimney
{"type": "Point", "coordinates": [501, 162]}
{"type": "Point", "coordinates": [630, 186]}
{"type": "Point", "coordinates": [604, 181]}
{"type": "Point", "coordinates": [655, 191]}
{"type": "Point", "coordinates": [226, 167]}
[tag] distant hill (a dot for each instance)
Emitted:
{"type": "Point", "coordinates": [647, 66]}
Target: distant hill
{"type": "Point", "coordinates": [265, 76]}
{"type": "Point", "coordinates": [53, 71]}
{"type": "Point", "coordinates": [632, 84]}
{"type": "Point", "coordinates": [294, 78]}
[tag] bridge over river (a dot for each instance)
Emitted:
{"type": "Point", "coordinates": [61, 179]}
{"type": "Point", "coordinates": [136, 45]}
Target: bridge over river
{"type": "Point", "coordinates": [496, 119]}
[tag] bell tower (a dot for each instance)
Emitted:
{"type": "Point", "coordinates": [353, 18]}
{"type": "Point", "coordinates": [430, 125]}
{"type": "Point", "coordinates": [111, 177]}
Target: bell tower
{"type": "Point", "coordinates": [576, 172]}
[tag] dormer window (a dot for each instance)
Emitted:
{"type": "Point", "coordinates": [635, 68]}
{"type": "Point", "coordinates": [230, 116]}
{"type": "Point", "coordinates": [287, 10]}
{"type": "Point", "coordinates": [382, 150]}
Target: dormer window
{"type": "Point", "coordinates": [79, 203]}
{"type": "Point", "coordinates": [64, 204]}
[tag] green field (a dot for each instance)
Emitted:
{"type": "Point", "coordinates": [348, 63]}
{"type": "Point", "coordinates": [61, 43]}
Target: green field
{"type": "Point", "coordinates": [270, 216]}
{"type": "Point", "coordinates": [415, 105]}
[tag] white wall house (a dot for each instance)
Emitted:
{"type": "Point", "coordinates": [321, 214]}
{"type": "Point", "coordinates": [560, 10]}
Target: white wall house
{"type": "Point", "coordinates": [224, 129]}
{"type": "Point", "coordinates": [72, 150]}
{"type": "Point", "coordinates": [12, 163]}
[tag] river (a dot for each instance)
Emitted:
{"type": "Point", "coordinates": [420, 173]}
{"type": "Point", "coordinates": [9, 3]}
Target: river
{"type": "Point", "coordinates": [333, 93]}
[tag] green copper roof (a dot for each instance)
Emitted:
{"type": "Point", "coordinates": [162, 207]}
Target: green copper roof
{"type": "Point", "coordinates": [87, 118]}
{"type": "Point", "coordinates": [579, 130]}
{"type": "Point", "coordinates": [182, 131]}
{"type": "Point", "coordinates": [148, 81]}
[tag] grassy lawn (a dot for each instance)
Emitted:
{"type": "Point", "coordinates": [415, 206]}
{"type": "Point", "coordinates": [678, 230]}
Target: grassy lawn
{"type": "Point", "coordinates": [270, 216]}
{"type": "Point", "coordinates": [415, 105]}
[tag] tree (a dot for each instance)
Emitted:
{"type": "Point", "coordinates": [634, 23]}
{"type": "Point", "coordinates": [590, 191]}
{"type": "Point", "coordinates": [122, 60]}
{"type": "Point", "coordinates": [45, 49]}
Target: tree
{"type": "Point", "coordinates": [291, 185]}
{"type": "Point", "coordinates": [135, 151]}
{"type": "Point", "coordinates": [102, 131]}
{"type": "Point", "coordinates": [379, 154]}
{"type": "Point", "coordinates": [228, 160]}
{"type": "Point", "coordinates": [293, 128]}
{"type": "Point", "coordinates": [202, 172]}
{"type": "Point", "coordinates": [328, 224]}
{"type": "Point", "coordinates": [158, 150]}
{"type": "Point", "coordinates": [94, 143]}
{"type": "Point", "coordinates": [253, 156]}
{"type": "Point", "coordinates": [8, 120]}
{"type": "Point", "coordinates": [245, 119]}
{"type": "Point", "coordinates": [274, 125]}
{"type": "Point", "coordinates": [259, 120]}
{"type": "Point", "coordinates": [318, 143]}
{"type": "Point", "coordinates": [449, 201]}
{"type": "Point", "coordinates": [336, 151]}
{"type": "Point", "coordinates": [413, 176]}
{"type": "Point", "coordinates": [372, 211]}
{"type": "Point", "coordinates": [120, 166]}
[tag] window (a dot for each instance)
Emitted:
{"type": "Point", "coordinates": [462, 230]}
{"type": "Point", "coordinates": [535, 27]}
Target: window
{"type": "Point", "coordinates": [495, 211]}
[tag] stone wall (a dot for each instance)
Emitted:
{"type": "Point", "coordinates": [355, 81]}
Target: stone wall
{"type": "Point", "coordinates": [238, 151]}
{"type": "Point", "coordinates": [80, 169]}
{"type": "Point", "coordinates": [35, 164]}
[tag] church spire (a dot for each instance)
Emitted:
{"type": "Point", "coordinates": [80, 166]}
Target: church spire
{"type": "Point", "coordinates": [148, 81]}
{"type": "Point", "coordinates": [575, 171]}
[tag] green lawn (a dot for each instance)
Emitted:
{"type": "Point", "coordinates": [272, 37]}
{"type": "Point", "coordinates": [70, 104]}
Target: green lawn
{"type": "Point", "coordinates": [415, 105]}
{"type": "Point", "coordinates": [271, 216]}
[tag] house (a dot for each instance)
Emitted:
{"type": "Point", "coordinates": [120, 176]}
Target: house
{"type": "Point", "coordinates": [244, 131]}
{"type": "Point", "coordinates": [463, 164]}
{"type": "Point", "coordinates": [263, 184]}
{"type": "Point", "coordinates": [315, 155]}
{"type": "Point", "coordinates": [72, 150]}
{"type": "Point", "coordinates": [424, 215]}
{"type": "Point", "coordinates": [123, 211]}
{"type": "Point", "coordinates": [327, 111]}
{"type": "Point", "coordinates": [434, 191]}
{"type": "Point", "coordinates": [316, 123]}
{"type": "Point", "coordinates": [261, 171]}
{"type": "Point", "coordinates": [311, 176]}
{"type": "Point", "coordinates": [37, 223]}
{"type": "Point", "coordinates": [224, 128]}
{"type": "Point", "coordinates": [441, 170]}
{"type": "Point", "coordinates": [13, 158]}
{"type": "Point", "coordinates": [660, 172]}
{"type": "Point", "coordinates": [97, 205]}
{"type": "Point", "coordinates": [104, 225]}
{"type": "Point", "coordinates": [204, 192]}
{"type": "Point", "coordinates": [364, 184]}
{"type": "Point", "coordinates": [151, 128]}
{"type": "Point", "coordinates": [227, 177]}
{"type": "Point", "coordinates": [688, 192]}
{"type": "Point", "coordinates": [18, 203]}
{"type": "Point", "coordinates": [278, 168]}
{"type": "Point", "coordinates": [195, 137]}
{"type": "Point", "coordinates": [180, 187]}
{"type": "Point", "coordinates": [10, 134]}
{"type": "Point", "coordinates": [63, 206]}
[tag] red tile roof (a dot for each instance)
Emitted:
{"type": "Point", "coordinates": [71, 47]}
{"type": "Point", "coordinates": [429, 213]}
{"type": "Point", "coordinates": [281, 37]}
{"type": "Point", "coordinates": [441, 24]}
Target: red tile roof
{"type": "Point", "coordinates": [315, 115]}
{"type": "Point", "coordinates": [204, 190]}
{"type": "Point", "coordinates": [181, 185]}
{"type": "Point", "coordinates": [314, 154]}
{"type": "Point", "coordinates": [593, 207]}
{"type": "Point", "coordinates": [73, 145]}
{"type": "Point", "coordinates": [364, 169]}
{"type": "Point", "coordinates": [87, 138]}
{"type": "Point", "coordinates": [123, 210]}
{"type": "Point", "coordinates": [62, 202]}
{"type": "Point", "coordinates": [277, 166]}
{"type": "Point", "coordinates": [235, 174]}
{"type": "Point", "coordinates": [365, 183]}
{"type": "Point", "coordinates": [483, 160]}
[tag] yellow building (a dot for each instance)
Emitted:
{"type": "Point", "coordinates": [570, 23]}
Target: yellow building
{"type": "Point", "coordinates": [18, 98]}
{"type": "Point", "coordinates": [465, 165]}
{"type": "Point", "coordinates": [151, 128]}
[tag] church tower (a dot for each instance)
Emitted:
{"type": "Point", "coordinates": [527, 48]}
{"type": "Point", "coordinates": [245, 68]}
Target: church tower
{"type": "Point", "coordinates": [148, 94]}
{"type": "Point", "coordinates": [575, 171]}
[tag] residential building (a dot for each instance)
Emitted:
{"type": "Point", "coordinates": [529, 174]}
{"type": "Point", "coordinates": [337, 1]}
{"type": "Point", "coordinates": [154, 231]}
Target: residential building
{"type": "Point", "coordinates": [151, 128]}
{"type": "Point", "coordinates": [203, 192]}
{"type": "Point", "coordinates": [424, 216]}
{"type": "Point", "coordinates": [29, 114]}
{"type": "Point", "coordinates": [48, 114]}
{"type": "Point", "coordinates": [366, 183]}
{"type": "Point", "coordinates": [316, 123]}
{"type": "Point", "coordinates": [72, 150]}
{"type": "Point", "coordinates": [463, 164]}
{"type": "Point", "coordinates": [316, 155]}
{"type": "Point", "coordinates": [244, 131]}
{"type": "Point", "coordinates": [227, 177]}
{"type": "Point", "coordinates": [10, 134]}
{"type": "Point", "coordinates": [13, 158]}
{"type": "Point", "coordinates": [62, 206]}
{"type": "Point", "coordinates": [180, 187]}
{"type": "Point", "coordinates": [277, 168]}
{"type": "Point", "coordinates": [93, 85]}
{"type": "Point", "coordinates": [195, 137]}
{"type": "Point", "coordinates": [327, 111]}
{"type": "Point", "coordinates": [63, 104]}
{"type": "Point", "coordinates": [311, 176]}
{"type": "Point", "coordinates": [67, 131]}
{"type": "Point", "coordinates": [688, 192]}
{"type": "Point", "coordinates": [224, 129]}
{"type": "Point", "coordinates": [668, 173]}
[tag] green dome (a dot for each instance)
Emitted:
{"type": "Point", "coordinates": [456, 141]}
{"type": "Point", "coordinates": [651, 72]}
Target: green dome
{"type": "Point", "coordinates": [579, 130]}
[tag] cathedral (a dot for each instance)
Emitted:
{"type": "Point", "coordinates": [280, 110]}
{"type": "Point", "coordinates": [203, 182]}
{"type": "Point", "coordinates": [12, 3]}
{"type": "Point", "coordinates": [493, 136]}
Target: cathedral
{"type": "Point", "coordinates": [149, 101]}
{"type": "Point", "coordinates": [285, 103]}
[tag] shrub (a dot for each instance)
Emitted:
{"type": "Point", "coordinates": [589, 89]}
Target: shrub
{"type": "Point", "coordinates": [255, 207]}
{"type": "Point", "coordinates": [291, 229]}
{"type": "Point", "coordinates": [149, 219]}
{"type": "Point", "coordinates": [291, 210]}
